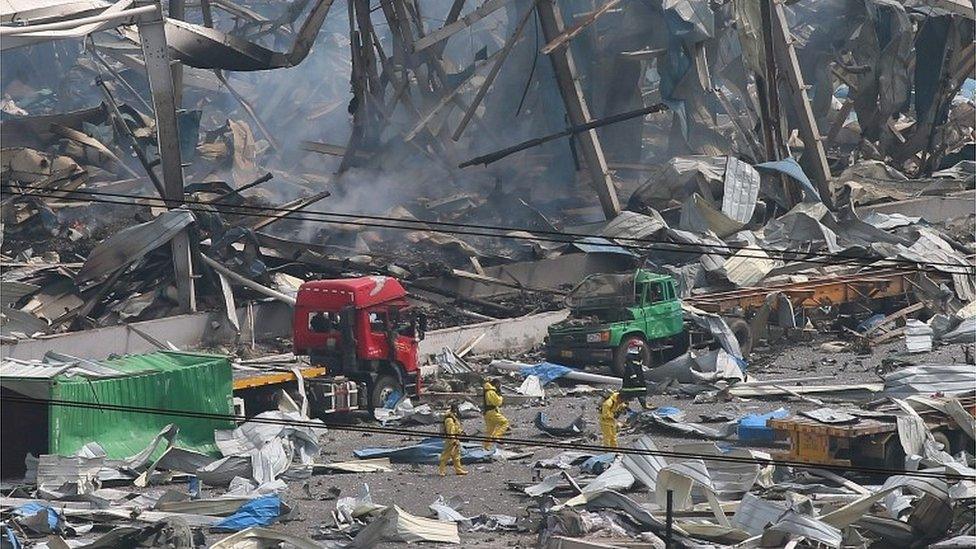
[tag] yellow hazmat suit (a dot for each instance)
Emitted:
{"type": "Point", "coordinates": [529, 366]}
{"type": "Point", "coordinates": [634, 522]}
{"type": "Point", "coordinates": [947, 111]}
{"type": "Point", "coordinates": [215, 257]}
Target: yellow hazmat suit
{"type": "Point", "coordinates": [609, 410]}
{"type": "Point", "coordinates": [452, 446]}
{"type": "Point", "coordinates": [495, 423]}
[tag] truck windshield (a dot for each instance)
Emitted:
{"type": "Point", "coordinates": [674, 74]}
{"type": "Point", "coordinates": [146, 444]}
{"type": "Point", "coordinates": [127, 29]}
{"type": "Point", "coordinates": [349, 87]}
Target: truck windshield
{"type": "Point", "coordinates": [603, 291]}
{"type": "Point", "coordinates": [321, 322]}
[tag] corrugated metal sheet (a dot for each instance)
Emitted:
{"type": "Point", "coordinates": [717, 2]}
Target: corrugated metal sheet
{"type": "Point", "coordinates": [15, 321]}
{"type": "Point", "coordinates": [748, 267]}
{"type": "Point", "coordinates": [918, 336]}
{"type": "Point", "coordinates": [132, 243]}
{"type": "Point", "coordinates": [163, 380]}
{"type": "Point", "coordinates": [927, 379]}
{"type": "Point", "coordinates": [52, 366]}
{"type": "Point", "coordinates": [11, 291]}
{"type": "Point", "coordinates": [741, 190]}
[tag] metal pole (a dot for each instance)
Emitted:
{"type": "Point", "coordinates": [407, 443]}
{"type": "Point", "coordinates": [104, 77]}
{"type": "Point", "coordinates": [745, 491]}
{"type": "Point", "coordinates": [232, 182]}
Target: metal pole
{"type": "Point", "coordinates": [567, 78]}
{"type": "Point", "coordinates": [177, 10]}
{"type": "Point", "coordinates": [669, 522]}
{"type": "Point", "coordinates": [156, 54]}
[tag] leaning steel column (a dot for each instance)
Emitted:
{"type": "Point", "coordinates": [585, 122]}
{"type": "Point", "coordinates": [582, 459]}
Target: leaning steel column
{"type": "Point", "coordinates": [579, 113]}
{"type": "Point", "coordinates": [156, 54]}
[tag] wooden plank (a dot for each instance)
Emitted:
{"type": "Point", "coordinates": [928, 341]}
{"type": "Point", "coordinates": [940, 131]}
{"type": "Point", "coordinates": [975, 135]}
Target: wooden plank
{"type": "Point", "coordinates": [812, 140]}
{"type": "Point", "coordinates": [449, 30]}
{"type": "Point", "coordinates": [894, 316]}
{"type": "Point", "coordinates": [574, 31]}
{"type": "Point", "coordinates": [499, 61]}
{"type": "Point", "coordinates": [564, 67]}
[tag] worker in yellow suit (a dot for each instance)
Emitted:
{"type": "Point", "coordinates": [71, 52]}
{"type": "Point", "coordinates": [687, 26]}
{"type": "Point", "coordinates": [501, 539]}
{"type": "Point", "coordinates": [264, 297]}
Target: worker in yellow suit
{"type": "Point", "coordinates": [452, 446]}
{"type": "Point", "coordinates": [610, 408]}
{"type": "Point", "coordinates": [495, 423]}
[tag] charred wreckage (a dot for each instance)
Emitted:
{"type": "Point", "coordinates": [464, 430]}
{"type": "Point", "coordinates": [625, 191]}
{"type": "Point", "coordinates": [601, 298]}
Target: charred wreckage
{"type": "Point", "coordinates": [229, 224]}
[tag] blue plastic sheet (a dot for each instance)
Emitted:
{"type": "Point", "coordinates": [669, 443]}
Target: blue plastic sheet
{"type": "Point", "coordinates": [598, 463]}
{"type": "Point", "coordinates": [790, 167]}
{"type": "Point", "coordinates": [257, 512]}
{"type": "Point", "coordinates": [546, 371]}
{"type": "Point", "coordinates": [752, 427]}
{"type": "Point", "coordinates": [426, 451]}
{"type": "Point", "coordinates": [392, 400]}
{"type": "Point", "coordinates": [668, 411]}
{"type": "Point", "coordinates": [54, 519]}
{"type": "Point", "coordinates": [870, 322]}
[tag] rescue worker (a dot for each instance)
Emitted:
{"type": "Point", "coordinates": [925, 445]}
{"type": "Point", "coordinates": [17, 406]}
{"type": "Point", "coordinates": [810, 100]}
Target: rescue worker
{"type": "Point", "coordinates": [452, 446]}
{"type": "Point", "coordinates": [495, 423]}
{"type": "Point", "coordinates": [634, 384]}
{"type": "Point", "coordinates": [610, 408]}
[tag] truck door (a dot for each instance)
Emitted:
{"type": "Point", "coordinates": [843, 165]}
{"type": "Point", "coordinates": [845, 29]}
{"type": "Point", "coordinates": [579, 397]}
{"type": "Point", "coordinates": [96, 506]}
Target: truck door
{"type": "Point", "coordinates": [657, 311]}
{"type": "Point", "coordinates": [377, 344]}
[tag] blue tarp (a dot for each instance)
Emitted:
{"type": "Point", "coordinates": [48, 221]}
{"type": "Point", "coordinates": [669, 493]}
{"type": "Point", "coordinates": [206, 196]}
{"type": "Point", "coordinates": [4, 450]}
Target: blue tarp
{"type": "Point", "coordinates": [426, 451]}
{"type": "Point", "coordinates": [546, 371]}
{"type": "Point", "coordinates": [54, 520]}
{"type": "Point", "coordinates": [752, 427]}
{"type": "Point", "coordinates": [11, 538]}
{"type": "Point", "coordinates": [669, 411]}
{"type": "Point", "coordinates": [870, 322]}
{"type": "Point", "coordinates": [790, 167]}
{"type": "Point", "coordinates": [257, 512]}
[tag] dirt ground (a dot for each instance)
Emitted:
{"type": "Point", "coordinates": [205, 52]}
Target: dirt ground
{"type": "Point", "coordinates": [414, 487]}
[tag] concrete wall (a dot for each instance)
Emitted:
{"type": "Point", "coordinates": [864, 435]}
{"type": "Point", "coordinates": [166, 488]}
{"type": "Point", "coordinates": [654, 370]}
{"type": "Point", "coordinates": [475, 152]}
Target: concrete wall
{"type": "Point", "coordinates": [271, 319]}
{"type": "Point", "coordinates": [506, 335]}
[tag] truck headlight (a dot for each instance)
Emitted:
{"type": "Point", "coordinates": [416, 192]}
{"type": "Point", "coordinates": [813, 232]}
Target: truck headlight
{"type": "Point", "coordinates": [598, 337]}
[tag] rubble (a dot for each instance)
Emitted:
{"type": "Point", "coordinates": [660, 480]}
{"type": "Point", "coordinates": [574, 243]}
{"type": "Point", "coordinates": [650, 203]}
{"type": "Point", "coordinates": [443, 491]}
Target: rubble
{"type": "Point", "coordinates": [773, 202]}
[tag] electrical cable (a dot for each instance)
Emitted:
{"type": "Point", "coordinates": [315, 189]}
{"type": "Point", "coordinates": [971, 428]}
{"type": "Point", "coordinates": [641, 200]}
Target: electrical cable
{"type": "Point", "coordinates": [475, 438]}
{"type": "Point", "coordinates": [295, 215]}
{"type": "Point", "coordinates": [423, 225]}
{"type": "Point", "coordinates": [675, 247]}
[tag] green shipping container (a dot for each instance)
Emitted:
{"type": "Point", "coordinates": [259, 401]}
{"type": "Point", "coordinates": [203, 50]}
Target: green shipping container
{"type": "Point", "coordinates": [163, 381]}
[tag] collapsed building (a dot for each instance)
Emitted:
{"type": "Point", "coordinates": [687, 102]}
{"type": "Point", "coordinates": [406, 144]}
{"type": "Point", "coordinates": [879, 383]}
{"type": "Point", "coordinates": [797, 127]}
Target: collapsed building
{"type": "Point", "coordinates": [171, 174]}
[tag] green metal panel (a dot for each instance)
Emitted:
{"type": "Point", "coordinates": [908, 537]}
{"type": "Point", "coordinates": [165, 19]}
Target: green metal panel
{"type": "Point", "coordinates": [163, 380]}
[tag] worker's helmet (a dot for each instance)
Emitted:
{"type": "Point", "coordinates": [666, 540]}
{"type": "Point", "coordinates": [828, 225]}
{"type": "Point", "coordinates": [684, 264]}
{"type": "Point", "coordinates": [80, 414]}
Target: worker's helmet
{"type": "Point", "coordinates": [635, 354]}
{"type": "Point", "coordinates": [454, 410]}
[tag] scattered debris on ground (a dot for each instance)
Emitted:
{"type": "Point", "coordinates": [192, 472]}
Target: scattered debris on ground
{"type": "Point", "coordinates": [254, 252]}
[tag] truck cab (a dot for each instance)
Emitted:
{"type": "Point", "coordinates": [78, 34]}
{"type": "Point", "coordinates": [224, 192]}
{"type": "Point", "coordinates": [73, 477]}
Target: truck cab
{"type": "Point", "coordinates": [364, 330]}
{"type": "Point", "coordinates": [613, 312]}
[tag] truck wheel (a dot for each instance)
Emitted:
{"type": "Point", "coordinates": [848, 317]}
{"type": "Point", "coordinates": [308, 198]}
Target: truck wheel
{"type": "Point", "coordinates": [743, 334]}
{"type": "Point", "coordinates": [619, 365]}
{"type": "Point", "coordinates": [384, 386]}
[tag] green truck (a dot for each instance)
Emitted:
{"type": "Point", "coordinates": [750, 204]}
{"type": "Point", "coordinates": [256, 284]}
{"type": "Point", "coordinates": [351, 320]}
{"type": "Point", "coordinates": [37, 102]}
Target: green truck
{"type": "Point", "coordinates": [613, 312]}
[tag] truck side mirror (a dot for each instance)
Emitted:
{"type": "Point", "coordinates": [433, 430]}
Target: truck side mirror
{"type": "Point", "coordinates": [421, 326]}
{"type": "Point", "coordinates": [347, 323]}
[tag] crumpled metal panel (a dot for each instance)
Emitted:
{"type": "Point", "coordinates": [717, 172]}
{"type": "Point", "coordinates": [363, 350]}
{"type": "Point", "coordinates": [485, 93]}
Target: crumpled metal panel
{"type": "Point", "coordinates": [163, 380]}
{"type": "Point", "coordinates": [741, 190]}
{"type": "Point", "coordinates": [927, 379]}
{"type": "Point", "coordinates": [132, 243]}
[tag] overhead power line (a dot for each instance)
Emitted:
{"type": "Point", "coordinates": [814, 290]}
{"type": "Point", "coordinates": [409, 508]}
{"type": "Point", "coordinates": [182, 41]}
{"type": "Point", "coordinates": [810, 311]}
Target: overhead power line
{"type": "Point", "coordinates": [413, 433]}
{"type": "Point", "coordinates": [724, 250]}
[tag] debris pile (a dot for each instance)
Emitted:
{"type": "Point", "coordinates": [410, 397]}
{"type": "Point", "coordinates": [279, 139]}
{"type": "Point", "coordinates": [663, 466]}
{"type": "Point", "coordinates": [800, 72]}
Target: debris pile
{"type": "Point", "coordinates": [755, 219]}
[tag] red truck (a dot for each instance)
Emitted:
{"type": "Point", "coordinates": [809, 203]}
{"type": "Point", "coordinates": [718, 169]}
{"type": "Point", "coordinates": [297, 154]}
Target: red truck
{"type": "Point", "coordinates": [365, 334]}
